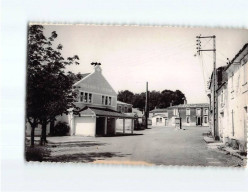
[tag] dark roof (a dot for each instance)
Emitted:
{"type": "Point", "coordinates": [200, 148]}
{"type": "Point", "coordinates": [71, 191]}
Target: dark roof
{"type": "Point", "coordinates": [237, 55]}
{"type": "Point", "coordinates": [180, 106]}
{"type": "Point", "coordinates": [102, 112]}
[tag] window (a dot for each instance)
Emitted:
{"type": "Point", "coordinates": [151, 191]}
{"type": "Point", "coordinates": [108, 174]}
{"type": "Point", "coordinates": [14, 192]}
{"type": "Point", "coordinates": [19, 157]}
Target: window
{"type": "Point", "coordinates": [103, 97]}
{"type": "Point", "coordinates": [125, 109]}
{"type": "Point", "coordinates": [157, 119]}
{"type": "Point", "coordinates": [81, 96]}
{"type": "Point", "coordinates": [222, 96]}
{"type": "Point", "coordinates": [90, 97]}
{"type": "Point", "coordinates": [232, 81]}
{"type": "Point", "coordinates": [109, 101]}
{"type": "Point", "coordinates": [187, 119]}
{"type": "Point", "coordinates": [187, 111]}
{"type": "Point", "coordinates": [205, 119]}
{"type": "Point", "coordinates": [106, 100]}
{"type": "Point", "coordinates": [245, 73]}
{"type": "Point", "coordinates": [85, 97]}
{"type": "Point", "coordinates": [206, 111]}
{"type": "Point", "coordinates": [160, 120]}
{"type": "Point", "coordinates": [175, 112]}
{"type": "Point", "coordinates": [198, 111]}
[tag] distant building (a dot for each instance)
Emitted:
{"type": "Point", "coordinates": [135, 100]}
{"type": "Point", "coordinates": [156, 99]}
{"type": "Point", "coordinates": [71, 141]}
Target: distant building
{"type": "Point", "coordinates": [190, 114]}
{"type": "Point", "coordinates": [124, 107]}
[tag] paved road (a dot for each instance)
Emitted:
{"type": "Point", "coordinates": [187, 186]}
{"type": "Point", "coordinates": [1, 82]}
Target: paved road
{"type": "Point", "coordinates": [159, 145]}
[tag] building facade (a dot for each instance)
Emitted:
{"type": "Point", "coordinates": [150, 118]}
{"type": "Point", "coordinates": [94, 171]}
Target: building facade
{"type": "Point", "coordinates": [237, 87]}
{"type": "Point", "coordinates": [189, 114]}
{"type": "Point", "coordinates": [96, 108]}
{"type": "Point", "coordinates": [232, 96]}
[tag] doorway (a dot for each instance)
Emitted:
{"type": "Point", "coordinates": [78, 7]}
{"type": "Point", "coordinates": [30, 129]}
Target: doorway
{"type": "Point", "coordinates": [198, 121]}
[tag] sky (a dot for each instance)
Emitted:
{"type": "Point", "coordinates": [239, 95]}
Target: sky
{"type": "Point", "coordinates": [162, 56]}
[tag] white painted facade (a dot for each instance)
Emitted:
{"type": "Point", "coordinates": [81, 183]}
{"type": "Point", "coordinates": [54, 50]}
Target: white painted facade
{"type": "Point", "coordinates": [238, 98]}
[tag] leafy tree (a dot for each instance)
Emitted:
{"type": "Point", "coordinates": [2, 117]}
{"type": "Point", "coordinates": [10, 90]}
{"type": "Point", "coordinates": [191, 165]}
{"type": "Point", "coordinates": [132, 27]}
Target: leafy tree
{"type": "Point", "coordinates": [125, 96]}
{"type": "Point", "coordinates": [156, 98]}
{"type": "Point", "coordinates": [49, 88]}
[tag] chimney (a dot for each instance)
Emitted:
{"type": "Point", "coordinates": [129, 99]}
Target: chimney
{"type": "Point", "coordinates": [97, 66]}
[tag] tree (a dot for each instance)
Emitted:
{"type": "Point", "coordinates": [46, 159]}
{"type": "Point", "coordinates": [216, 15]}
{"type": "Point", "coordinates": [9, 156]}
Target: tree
{"type": "Point", "coordinates": [156, 98]}
{"type": "Point", "coordinates": [125, 96]}
{"type": "Point", "coordinates": [49, 88]}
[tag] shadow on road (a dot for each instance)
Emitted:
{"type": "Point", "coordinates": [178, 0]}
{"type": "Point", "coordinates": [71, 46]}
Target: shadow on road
{"type": "Point", "coordinates": [121, 134]}
{"type": "Point", "coordinates": [85, 157]}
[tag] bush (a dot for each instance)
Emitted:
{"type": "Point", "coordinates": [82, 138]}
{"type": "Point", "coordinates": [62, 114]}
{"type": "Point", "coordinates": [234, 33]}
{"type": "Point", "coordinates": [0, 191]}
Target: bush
{"type": "Point", "coordinates": [36, 153]}
{"type": "Point", "coordinates": [61, 129]}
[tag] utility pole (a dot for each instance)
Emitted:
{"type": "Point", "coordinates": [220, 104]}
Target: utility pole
{"type": "Point", "coordinates": [215, 100]}
{"type": "Point", "coordinates": [146, 107]}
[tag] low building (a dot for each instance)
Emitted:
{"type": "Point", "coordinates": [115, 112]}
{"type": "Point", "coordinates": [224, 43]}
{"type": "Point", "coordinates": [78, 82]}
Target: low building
{"type": "Point", "coordinates": [190, 115]}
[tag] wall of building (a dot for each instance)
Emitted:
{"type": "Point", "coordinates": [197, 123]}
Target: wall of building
{"type": "Point", "coordinates": [170, 116]}
{"type": "Point", "coordinates": [119, 124]}
{"type": "Point", "coordinates": [98, 86]}
{"type": "Point", "coordinates": [238, 102]}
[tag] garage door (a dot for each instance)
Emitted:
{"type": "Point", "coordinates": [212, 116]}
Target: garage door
{"type": "Point", "coordinates": [85, 126]}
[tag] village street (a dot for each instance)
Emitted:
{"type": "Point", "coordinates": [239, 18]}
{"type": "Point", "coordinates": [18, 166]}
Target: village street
{"type": "Point", "coordinates": [158, 145]}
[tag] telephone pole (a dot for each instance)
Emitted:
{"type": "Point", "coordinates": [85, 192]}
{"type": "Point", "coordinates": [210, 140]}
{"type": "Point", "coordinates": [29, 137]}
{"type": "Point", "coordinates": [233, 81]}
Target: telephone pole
{"type": "Point", "coordinates": [215, 100]}
{"type": "Point", "coordinates": [147, 106]}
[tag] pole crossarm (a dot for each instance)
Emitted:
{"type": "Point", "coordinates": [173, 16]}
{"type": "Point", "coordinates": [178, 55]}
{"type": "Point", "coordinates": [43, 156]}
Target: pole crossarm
{"type": "Point", "coordinates": [207, 50]}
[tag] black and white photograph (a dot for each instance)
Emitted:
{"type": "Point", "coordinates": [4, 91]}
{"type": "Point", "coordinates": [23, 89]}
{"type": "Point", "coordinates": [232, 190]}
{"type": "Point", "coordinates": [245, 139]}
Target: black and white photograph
{"type": "Point", "coordinates": [136, 95]}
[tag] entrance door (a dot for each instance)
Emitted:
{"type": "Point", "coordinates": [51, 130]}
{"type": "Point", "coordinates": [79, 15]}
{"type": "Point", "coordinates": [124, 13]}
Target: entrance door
{"type": "Point", "coordinates": [100, 124]}
{"type": "Point", "coordinates": [198, 121]}
{"type": "Point", "coordinates": [166, 122]}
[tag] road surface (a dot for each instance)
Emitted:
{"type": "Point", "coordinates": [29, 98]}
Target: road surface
{"type": "Point", "coordinates": [155, 146]}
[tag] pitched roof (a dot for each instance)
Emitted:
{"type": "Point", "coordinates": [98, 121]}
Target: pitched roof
{"type": "Point", "coordinates": [120, 102]}
{"type": "Point", "coordinates": [83, 76]}
{"type": "Point", "coordinates": [102, 112]}
{"type": "Point", "coordinates": [180, 106]}
{"type": "Point", "coordinates": [190, 105]}
{"type": "Point", "coordinates": [245, 47]}
{"type": "Point", "coordinates": [163, 115]}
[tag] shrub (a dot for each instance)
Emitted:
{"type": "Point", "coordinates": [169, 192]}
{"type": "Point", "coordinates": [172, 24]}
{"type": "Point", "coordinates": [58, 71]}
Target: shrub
{"type": "Point", "coordinates": [61, 129]}
{"type": "Point", "coordinates": [36, 153]}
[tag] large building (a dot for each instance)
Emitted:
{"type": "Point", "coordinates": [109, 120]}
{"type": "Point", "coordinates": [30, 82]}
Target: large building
{"type": "Point", "coordinates": [232, 93]}
{"type": "Point", "coordinates": [96, 112]}
{"type": "Point", "coordinates": [189, 114]}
